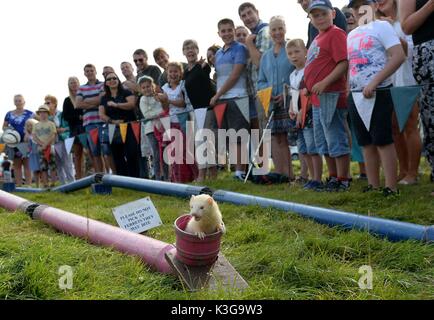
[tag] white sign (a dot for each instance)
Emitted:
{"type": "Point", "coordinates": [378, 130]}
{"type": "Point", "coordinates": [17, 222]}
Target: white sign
{"type": "Point", "coordinates": [138, 216]}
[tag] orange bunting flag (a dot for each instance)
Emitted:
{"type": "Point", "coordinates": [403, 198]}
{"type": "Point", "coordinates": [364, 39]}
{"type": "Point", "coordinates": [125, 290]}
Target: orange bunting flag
{"type": "Point", "coordinates": [94, 136]}
{"type": "Point", "coordinates": [305, 102]}
{"type": "Point", "coordinates": [219, 111]}
{"type": "Point", "coordinates": [2, 147]}
{"type": "Point", "coordinates": [136, 129]}
{"type": "Point", "coordinates": [264, 97]}
{"type": "Point", "coordinates": [47, 153]}
{"type": "Point", "coordinates": [124, 128]}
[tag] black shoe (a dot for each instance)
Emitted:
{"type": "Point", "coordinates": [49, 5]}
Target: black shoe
{"type": "Point", "coordinates": [389, 193]}
{"type": "Point", "coordinates": [241, 178]}
{"type": "Point", "coordinates": [369, 188]}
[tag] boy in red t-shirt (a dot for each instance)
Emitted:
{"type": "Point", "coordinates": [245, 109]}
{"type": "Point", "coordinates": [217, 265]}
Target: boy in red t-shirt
{"type": "Point", "coordinates": [325, 78]}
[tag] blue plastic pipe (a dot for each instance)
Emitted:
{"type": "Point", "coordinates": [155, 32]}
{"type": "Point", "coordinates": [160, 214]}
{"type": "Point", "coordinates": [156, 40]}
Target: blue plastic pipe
{"type": "Point", "coordinates": [155, 187]}
{"type": "Point", "coordinates": [78, 185]}
{"type": "Point", "coordinates": [392, 230]}
{"type": "Point", "coordinates": [29, 190]}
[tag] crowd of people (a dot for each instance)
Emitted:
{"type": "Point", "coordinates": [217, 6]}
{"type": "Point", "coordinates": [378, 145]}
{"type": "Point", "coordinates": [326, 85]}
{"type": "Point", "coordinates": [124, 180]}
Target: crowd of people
{"type": "Point", "coordinates": [352, 56]}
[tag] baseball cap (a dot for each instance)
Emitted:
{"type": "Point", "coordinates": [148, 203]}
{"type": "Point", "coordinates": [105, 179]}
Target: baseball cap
{"type": "Point", "coordinates": [351, 4]}
{"type": "Point", "coordinates": [320, 4]}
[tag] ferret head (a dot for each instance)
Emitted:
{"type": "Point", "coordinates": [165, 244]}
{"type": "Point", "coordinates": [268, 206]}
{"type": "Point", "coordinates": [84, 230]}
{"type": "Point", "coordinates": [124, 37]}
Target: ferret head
{"type": "Point", "coordinates": [200, 206]}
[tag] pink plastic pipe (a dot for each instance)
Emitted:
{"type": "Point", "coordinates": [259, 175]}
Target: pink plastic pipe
{"type": "Point", "coordinates": [151, 251]}
{"type": "Point", "coordinates": [11, 202]}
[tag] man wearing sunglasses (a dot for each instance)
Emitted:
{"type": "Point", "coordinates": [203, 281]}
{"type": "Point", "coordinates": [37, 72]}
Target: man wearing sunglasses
{"type": "Point", "coordinates": [140, 58]}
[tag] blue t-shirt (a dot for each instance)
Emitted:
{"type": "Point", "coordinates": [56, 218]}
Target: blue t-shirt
{"type": "Point", "coordinates": [225, 60]}
{"type": "Point", "coordinates": [18, 122]}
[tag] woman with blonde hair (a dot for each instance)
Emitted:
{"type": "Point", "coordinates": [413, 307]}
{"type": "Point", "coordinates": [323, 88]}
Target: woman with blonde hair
{"type": "Point", "coordinates": [274, 72]}
{"type": "Point", "coordinates": [74, 117]}
{"type": "Point", "coordinates": [16, 119]}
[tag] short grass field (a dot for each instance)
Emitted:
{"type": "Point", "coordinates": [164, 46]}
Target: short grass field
{"type": "Point", "coordinates": [280, 255]}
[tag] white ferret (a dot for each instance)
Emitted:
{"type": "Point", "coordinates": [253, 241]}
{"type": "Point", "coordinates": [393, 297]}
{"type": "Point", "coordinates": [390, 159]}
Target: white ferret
{"type": "Point", "coordinates": [206, 217]}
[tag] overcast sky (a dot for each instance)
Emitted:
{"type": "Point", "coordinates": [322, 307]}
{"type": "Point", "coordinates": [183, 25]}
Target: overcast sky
{"type": "Point", "coordinates": [46, 41]}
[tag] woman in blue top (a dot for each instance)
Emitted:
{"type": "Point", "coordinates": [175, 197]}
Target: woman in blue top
{"type": "Point", "coordinates": [274, 72]}
{"type": "Point", "coordinates": [16, 119]}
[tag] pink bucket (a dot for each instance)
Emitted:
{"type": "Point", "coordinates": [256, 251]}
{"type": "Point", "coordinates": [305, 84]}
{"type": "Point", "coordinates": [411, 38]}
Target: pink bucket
{"type": "Point", "coordinates": [193, 251]}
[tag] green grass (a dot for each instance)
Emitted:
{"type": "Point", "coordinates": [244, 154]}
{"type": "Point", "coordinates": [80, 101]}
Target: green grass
{"type": "Point", "coordinates": [280, 255]}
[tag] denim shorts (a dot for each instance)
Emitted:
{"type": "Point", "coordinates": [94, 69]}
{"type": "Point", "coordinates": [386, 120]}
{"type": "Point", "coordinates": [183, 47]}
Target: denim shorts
{"type": "Point", "coordinates": [333, 140]}
{"type": "Point", "coordinates": [306, 142]}
{"type": "Point", "coordinates": [95, 149]}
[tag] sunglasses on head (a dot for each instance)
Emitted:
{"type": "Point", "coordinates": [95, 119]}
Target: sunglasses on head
{"type": "Point", "coordinates": [111, 79]}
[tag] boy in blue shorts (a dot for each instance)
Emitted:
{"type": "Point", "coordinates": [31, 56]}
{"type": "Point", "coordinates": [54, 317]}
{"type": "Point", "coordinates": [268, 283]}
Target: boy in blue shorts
{"type": "Point", "coordinates": [325, 78]}
{"type": "Point", "coordinates": [231, 61]}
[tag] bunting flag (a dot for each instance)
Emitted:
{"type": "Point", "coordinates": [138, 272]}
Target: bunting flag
{"type": "Point", "coordinates": [264, 97]}
{"type": "Point", "coordinates": [166, 123]}
{"type": "Point", "coordinates": [58, 148]}
{"type": "Point", "coordinates": [183, 118]}
{"type": "Point", "coordinates": [295, 95]}
{"type": "Point", "coordinates": [136, 130]}
{"type": "Point", "coordinates": [94, 135]}
{"type": "Point", "coordinates": [2, 147]}
{"type": "Point", "coordinates": [365, 107]}
{"type": "Point", "coordinates": [243, 106]}
{"type": "Point", "coordinates": [404, 99]}
{"type": "Point", "coordinates": [219, 111]}
{"type": "Point", "coordinates": [83, 139]}
{"type": "Point", "coordinates": [305, 102]}
{"type": "Point", "coordinates": [123, 127]}
{"type": "Point", "coordinates": [68, 144]}
{"type": "Point", "coordinates": [47, 153]}
{"type": "Point", "coordinates": [23, 148]}
{"type": "Point", "coordinates": [111, 132]}
{"type": "Point", "coordinates": [328, 103]}
{"type": "Point", "coordinates": [200, 115]}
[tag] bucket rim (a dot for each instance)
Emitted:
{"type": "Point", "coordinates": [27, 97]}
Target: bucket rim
{"type": "Point", "coordinates": [212, 235]}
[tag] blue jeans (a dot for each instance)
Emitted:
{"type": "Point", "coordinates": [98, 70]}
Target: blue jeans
{"type": "Point", "coordinates": [306, 142]}
{"type": "Point", "coordinates": [332, 140]}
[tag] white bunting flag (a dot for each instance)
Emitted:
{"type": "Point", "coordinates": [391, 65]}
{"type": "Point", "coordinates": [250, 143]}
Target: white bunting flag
{"type": "Point", "coordinates": [295, 96]}
{"type": "Point", "coordinates": [200, 115]}
{"type": "Point", "coordinates": [365, 107]}
{"type": "Point", "coordinates": [243, 106]}
{"type": "Point", "coordinates": [112, 128]}
{"type": "Point", "coordinates": [68, 144]}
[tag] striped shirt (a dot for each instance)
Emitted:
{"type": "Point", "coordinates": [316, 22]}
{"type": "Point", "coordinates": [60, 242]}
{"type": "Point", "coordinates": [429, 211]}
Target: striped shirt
{"type": "Point", "coordinates": [225, 61]}
{"type": "Point", "coordinates": [263, 42]}
{"type": "Point", "coordinates": [91, 116]}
